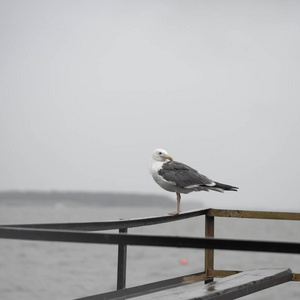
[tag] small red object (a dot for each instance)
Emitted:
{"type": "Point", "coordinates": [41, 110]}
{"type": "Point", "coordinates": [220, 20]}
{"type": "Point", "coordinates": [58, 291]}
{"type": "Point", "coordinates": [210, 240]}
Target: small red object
{"type": "Point", "coordinates": [184, 261]}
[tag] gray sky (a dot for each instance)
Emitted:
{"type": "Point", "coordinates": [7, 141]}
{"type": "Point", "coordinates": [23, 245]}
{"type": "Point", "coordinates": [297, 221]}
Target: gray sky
{"type": "Point", "coordinates": [90, 88]}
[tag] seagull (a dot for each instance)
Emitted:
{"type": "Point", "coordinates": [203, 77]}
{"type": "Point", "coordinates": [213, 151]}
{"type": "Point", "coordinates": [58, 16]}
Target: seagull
{"type": "Point", "coordinates": [177, 177]}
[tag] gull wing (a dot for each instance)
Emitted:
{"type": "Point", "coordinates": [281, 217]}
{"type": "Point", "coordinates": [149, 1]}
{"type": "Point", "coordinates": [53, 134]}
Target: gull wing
{"type": "Point", "coordinates": [183, 176]}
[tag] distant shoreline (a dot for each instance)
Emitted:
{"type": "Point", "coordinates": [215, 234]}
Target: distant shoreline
{"type": "Point", "coordinates": [85, 197]}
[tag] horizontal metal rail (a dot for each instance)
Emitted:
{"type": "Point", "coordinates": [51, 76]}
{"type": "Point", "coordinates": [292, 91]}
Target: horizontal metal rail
{"type": "Point", "coordinates": [131, 223]}
{"type": "Point", "coordinates": [148, 240]}
{"type": "Point", "coordinates": [108, 225]}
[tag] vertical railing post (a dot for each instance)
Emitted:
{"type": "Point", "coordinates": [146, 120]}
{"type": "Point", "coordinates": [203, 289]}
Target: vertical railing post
{"type": "Point", "coordinates": [209, 253]}
{"type": "Point", "coordinates": [122, 260]}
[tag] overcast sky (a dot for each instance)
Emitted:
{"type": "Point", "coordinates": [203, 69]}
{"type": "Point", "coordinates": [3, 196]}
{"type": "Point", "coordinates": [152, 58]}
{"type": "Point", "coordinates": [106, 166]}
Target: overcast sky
{"type": "Point", "coordinates": [90, 88]}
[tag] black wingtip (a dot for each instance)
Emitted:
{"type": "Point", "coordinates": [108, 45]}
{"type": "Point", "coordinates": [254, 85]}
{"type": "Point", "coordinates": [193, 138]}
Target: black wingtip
{"type": "Point", "coordinates": [226, 187]}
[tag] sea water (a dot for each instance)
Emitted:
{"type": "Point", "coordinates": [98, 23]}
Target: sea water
{"type": "Point", "coordinates": [32, 270]}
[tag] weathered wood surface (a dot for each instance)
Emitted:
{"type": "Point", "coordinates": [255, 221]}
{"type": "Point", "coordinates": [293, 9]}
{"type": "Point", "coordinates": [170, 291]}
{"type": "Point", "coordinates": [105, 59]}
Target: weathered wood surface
{"type": "Point", "coordinates": [227, 288]}
{"type": "Point", "coordinates": [272, 215]}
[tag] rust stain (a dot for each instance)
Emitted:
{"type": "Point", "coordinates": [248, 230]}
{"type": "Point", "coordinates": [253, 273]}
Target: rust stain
{"type": "Point", "coordinates": [194, 278]}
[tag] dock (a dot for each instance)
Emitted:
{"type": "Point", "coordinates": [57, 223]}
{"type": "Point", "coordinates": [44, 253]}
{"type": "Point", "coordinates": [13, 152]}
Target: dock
{"type": "Point", "coordinates": [231, 284]}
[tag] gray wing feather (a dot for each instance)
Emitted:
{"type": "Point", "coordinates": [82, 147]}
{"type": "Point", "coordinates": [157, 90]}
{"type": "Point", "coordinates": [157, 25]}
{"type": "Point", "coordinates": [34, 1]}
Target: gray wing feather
{"type": "Point", "coordinates": [183, 175]}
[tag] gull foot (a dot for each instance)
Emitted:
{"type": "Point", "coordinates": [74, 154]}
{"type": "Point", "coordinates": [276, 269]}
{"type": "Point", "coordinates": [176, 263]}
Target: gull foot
{"type": "Point", "coordinates": [174, 213]}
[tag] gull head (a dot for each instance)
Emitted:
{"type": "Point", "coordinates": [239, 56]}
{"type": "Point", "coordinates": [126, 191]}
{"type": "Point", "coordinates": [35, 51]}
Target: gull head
{"type": "Point", "coordinates": [161, 155]}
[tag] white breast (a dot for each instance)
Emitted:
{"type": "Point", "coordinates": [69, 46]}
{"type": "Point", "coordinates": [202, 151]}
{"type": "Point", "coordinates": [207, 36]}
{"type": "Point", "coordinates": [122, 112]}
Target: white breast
{"type": "Point", "coordinates": [155, 166]}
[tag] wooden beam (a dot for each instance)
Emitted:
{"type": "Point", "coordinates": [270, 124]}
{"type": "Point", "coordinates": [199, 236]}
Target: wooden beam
{"type": "Point", "coordinates": [253, 214]}
{"type": "Point", "coordinates": [296, 277]}
{"type": "Point", "coordinates": [149, 288]}
{"type": "Point", "coordinates": [209, 253]}
{"type": "Point", "coordinates": [231, 287]}
{"type": "Point", "coordinates": [221, 273]}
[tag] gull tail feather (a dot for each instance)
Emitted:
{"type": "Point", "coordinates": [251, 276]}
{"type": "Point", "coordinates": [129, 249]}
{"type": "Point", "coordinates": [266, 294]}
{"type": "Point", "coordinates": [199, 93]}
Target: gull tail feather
{"type": "Point", "coordinates": [225, 187]}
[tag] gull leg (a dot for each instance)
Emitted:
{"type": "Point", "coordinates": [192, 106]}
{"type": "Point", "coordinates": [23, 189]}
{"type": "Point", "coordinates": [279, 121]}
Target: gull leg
{"type": "Point", "coordinates": [178, 202]}
{"type": "Point", "coordinates": [178, 205]}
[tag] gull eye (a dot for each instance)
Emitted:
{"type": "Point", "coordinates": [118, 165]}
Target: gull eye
{"type": "Point", "coordinates": [160, 153]}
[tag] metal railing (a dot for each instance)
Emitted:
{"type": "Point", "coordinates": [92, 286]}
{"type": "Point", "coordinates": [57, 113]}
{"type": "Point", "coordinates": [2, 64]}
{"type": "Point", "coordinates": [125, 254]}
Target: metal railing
{"type": "Point", "coordinates": [85, 233]}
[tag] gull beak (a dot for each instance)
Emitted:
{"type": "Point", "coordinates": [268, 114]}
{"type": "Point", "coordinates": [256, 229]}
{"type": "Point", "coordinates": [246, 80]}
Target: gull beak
{"type": "Point", "coordinates": [169, 157]}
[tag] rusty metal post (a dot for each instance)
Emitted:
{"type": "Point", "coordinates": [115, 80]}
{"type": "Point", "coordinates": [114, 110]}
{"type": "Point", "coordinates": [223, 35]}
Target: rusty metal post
{"type": "Point", "coordinates": [209, 253]}
{"type": "Point", "coordinates": [122, 260]}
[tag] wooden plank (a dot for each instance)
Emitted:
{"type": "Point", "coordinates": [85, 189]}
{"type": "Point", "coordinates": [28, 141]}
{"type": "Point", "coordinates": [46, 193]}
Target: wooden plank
{"type": "Point", "coordinates": [227, 288]}
{"type": "Point", "coordinates": [253, 214]}
{"type": "Point", "coordinates": [148, 288]}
